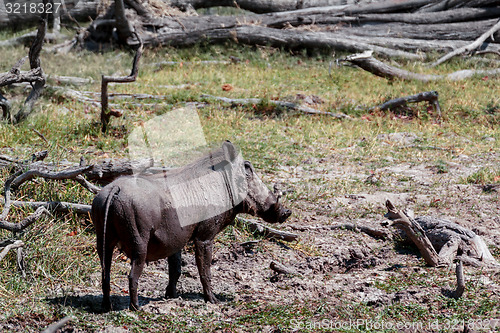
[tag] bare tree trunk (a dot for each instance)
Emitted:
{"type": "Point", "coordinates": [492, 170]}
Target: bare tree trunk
{"type": "Point", "coordinates": [123, 27]}
{"type": "Point", "coordinates": [34, 76]}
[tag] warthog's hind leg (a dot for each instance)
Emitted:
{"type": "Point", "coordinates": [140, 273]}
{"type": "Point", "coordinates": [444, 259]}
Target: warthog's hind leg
{"type": "Point", "coordinates": [137, 265]}
{"type": "Point", "coordinates": [174, 272]}
{"type": "Point", "coordinates": [106, 260]}
{"type": "Point", "coordinates": [203, 253]}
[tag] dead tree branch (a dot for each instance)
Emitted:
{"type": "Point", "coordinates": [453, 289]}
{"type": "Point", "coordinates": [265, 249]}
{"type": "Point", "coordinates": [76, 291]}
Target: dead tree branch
{"type": "Point", "coordinates": [34, 58]}
{"type": "Point", "coordinates": [56, 206]}
{"type": "Point", "coordinates": [432, 234]}
{"type": "Point", "coordinates": [17, 227]}
{"type": "Point", "coordinates": [356, 227]}
{"type": "Point", "coordinates": [65, 174]}
{"type": "Point", "coordinates": [34, 76]}
{"type": "Point", "coordinates": [429, 96]}
{"type": "Point", "coordinates": [283, 104]}
{"type": "Point", "coordinates": [469, 48]}
{"type": "Point", "coordinates": [267, 232]}
{"type": "Point", "coordinates": [460, 280]}
{"type": "Point", "coordinates": [55, 327]}
{"type": "Point", "coordinates": [367, 62]}
{"type": "Point", "coordinates": [105, 112]}
{"type": "Point", "coordinates": [281, 269]}
{"type": "Point", "coordinates": [415, 232]}
{"type": "Point", "coordinates": [7, 248]}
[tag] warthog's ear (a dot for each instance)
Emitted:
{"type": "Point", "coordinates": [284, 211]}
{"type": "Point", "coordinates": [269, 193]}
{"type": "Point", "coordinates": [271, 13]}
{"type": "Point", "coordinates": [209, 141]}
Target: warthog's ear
{"type": "Point", "coordinates": [248, 169]}
{"type": "Point", "coordinates": [277, 191]}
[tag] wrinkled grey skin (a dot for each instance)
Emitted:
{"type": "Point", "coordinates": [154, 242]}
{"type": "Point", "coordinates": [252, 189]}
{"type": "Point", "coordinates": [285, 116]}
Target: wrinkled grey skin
{"type": "Point", "coordinates": [136, 214]}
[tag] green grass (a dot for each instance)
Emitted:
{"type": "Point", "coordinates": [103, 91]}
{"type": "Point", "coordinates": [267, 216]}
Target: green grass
{"type": "Point", "coordinates": [60, 249]}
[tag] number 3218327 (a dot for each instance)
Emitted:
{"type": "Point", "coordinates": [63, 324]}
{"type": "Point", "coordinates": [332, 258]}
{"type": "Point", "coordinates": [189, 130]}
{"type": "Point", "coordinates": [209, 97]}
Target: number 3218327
{"type": "Point", "coordinates": [32, 8]}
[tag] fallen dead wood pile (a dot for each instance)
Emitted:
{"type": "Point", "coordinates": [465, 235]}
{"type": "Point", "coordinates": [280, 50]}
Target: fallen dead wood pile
{"type": "Point", "coordinates": [409, 29]}
{"type": "Point", "coordinates": [440, 241]}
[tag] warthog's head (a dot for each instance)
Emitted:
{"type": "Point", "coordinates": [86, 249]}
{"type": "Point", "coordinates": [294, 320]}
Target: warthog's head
{"type": "Point", "coordinates": [262, 202]}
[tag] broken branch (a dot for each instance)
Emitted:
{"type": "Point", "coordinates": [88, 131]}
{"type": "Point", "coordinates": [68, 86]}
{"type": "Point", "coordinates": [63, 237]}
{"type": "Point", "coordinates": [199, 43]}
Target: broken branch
{"type": "Point", "coordinates": [468, 48]}
{"type": "Point", "coordinates": [53, 328]}
{"type": "Point", "coordinates": [460, 281]}
{"type": "Point", "coordinates": [288, 105]}
{"type": "Point", "coordinates": [415, 232]}
{"type": "Point", "coordinates": [367, 62]}
{"type": "Point", "coordinates": [267, 232]}
{"type": "Point", "coordinates": [428, 96]}
{"type": "Point", "coordinates": [16, 227]}
{"type": "Point", "coordinates": [105, 112]}
{"type": "Point", "coordinates": [281, 269]}
{"type": "Point", "coordinates": [7, 248]}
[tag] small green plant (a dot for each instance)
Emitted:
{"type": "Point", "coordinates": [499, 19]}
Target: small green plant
{"type": "Point", "coordinates": [441, 167]}
{"type": "Point", "coordinates": [484, 176]}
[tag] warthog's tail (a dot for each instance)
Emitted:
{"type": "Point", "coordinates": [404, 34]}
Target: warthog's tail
{"type": "Point", "coordinates": [114, 191]}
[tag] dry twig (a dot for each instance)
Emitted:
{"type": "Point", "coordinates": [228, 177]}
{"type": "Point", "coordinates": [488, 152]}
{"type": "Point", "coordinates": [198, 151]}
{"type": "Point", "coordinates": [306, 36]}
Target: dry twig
{"type": "Point", "coordinates": [267, 232]}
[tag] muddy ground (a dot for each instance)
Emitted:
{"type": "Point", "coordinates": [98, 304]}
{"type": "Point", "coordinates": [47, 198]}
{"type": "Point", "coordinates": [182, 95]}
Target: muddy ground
{"type": "Point", "coordinates": [337, 267]}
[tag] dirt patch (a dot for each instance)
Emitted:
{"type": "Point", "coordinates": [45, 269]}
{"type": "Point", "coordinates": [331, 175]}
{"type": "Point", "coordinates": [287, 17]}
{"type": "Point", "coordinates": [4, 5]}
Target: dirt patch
{"type": "Point", "coordinates": [339, 267]}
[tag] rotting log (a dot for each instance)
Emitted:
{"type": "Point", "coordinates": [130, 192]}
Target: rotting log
{"type": "Point", "coordinates": [353, 28]}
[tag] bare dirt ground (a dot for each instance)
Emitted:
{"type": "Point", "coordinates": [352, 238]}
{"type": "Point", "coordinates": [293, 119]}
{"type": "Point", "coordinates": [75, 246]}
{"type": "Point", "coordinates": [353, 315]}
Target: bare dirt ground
{"type": "Point", "coordinates": [352, 274]}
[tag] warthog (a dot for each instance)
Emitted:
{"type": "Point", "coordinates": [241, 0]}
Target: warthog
{"type": "Point", "coordinates": [153, 217]}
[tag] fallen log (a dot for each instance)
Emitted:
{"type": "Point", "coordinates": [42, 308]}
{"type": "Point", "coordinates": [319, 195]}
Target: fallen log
{"type": "Point", "coordinates": [464, 31]}
{"type": "Point", "coordinates": [261, 6]}
{"type": "Point", "coordinates": [288, 105]}
{"type": "Point", "coordinates": [356, 227]}
{"type": "Point", "coordinates": [377, 67]}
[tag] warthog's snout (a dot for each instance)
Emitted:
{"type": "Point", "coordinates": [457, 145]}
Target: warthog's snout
{"type": "Point", "coordinates": [284, 214]}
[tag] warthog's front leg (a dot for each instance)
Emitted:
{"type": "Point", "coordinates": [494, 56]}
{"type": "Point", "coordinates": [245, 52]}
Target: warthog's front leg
{"type": "Point", "coordinates": [174, 272]}
{"type": "Point", "coordinates": [203, 253]}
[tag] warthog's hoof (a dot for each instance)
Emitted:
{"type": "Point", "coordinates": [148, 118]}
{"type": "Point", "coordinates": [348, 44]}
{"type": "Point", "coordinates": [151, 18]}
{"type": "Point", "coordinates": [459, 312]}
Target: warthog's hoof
{"type": "Point", "coordinates": [211, 299]}
{"type": "Point", "coordinates": [171, 293]}
{"type": "Point", "coordinates": [106, 305]}
{"type": "Point", "coordinates": [134, 307]}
